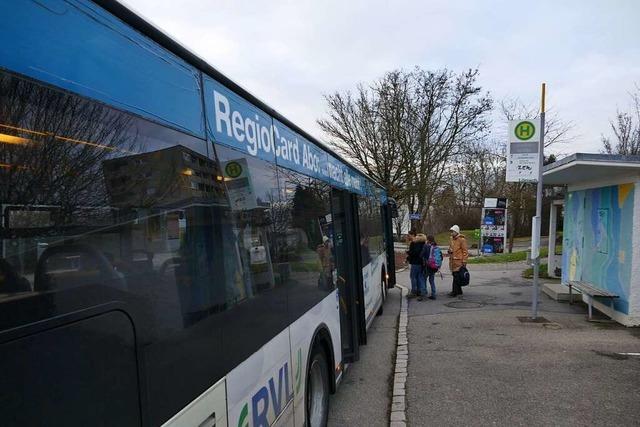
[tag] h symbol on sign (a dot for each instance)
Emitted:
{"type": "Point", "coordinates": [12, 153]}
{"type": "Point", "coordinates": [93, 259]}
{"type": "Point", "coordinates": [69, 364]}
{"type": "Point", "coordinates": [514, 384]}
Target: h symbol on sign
{"type": "Point", "coordinates": [525, 130]}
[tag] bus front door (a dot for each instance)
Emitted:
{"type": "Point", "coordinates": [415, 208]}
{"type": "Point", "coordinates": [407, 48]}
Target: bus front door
{"type": "Point", "coordinates": [344, 216]}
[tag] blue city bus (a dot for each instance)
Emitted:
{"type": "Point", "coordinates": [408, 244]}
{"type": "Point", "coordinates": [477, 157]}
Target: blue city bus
{"type": "Point", "coordinates": [173, 251]}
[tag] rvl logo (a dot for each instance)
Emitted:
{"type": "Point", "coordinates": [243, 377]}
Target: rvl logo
{"type": "Point", "coordinates": [271, 394]}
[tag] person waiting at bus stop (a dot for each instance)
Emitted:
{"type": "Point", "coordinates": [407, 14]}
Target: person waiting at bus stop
{"type": "Point", "coordinates": [418, 285]}
{"type": "Point", "coordinates": [411, 236]}
{"type": "Point", "coordinates": [458, 256]}
{"type": "Point", "coordinates": [432, 260]}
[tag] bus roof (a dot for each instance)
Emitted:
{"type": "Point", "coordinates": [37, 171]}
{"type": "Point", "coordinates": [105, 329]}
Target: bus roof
{"type": "Point", "coordinates": [142, 24]}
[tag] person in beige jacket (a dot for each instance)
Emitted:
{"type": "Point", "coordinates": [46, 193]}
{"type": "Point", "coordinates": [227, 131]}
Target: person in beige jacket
{"type": "Point", "coordinates": [458, 256]}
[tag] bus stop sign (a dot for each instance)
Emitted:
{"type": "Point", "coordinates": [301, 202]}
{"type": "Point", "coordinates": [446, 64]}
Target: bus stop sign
{"type": "Point", "coordinates": [523, 149]}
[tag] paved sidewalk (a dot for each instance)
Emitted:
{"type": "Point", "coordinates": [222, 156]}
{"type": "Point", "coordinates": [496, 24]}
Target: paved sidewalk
{"type": "Point", "coordinates": [472, 362]}
{"type": "Point", "coordinates": [364, 396]}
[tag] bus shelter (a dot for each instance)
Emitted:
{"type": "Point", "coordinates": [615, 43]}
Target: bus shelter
{"type": "Point", "coordinates": [601, 232]}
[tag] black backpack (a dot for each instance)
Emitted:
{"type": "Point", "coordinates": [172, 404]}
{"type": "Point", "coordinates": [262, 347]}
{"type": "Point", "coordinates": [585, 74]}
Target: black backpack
{"type": "Point", "coordinates": [464, 275]}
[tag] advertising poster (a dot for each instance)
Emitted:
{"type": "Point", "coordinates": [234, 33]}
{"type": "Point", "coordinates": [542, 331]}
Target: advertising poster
{"type": "Point", "coordinates": [493, 230]}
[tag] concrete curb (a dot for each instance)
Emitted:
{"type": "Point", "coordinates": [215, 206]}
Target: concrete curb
{"type": "Point", "coordinates": [398, 416]}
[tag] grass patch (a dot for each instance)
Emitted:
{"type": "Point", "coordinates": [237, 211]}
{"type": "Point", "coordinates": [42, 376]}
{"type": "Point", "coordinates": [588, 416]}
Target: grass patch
{"type": "Point", "coordinates": [499, 258]}
{"type": "Point", "coordinates": [509, 257]}
{"type": "Point", "coordinates": [544, 272]}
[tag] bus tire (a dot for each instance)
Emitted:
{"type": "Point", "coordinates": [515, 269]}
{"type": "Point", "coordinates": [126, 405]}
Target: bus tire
{"type": "Point", "coordinates": [317, 390]}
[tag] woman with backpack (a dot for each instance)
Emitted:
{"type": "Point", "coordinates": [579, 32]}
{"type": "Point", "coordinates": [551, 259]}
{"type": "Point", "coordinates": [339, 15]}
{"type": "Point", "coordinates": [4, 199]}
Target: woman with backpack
{"type": "Point", "coordinates": [432, 260]}
{"type": "Point", "coordinates": [415, 259]}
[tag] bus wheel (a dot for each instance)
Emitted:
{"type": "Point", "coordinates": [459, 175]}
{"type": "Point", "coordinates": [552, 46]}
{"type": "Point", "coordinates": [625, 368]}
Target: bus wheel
{"type": "Point", "coordinates": [317, 390]}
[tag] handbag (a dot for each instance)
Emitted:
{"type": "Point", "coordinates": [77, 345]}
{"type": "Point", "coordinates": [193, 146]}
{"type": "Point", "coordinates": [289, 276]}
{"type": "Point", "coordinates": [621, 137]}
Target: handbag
{"type": "Point", "coordinates": [464, 276]}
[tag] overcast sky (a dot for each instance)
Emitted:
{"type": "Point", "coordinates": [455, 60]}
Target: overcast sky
{"type": "Point", "coordinates": [290, 53]}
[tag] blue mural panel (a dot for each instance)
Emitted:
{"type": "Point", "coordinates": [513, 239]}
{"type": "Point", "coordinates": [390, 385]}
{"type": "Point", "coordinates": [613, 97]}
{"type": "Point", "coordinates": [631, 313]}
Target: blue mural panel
{"type": "Point", "coordinates": [573, 236]}
{"type": "Point", "coordinates": [597, 239]}
{"type": "Point", "coordinates": [78, 46]}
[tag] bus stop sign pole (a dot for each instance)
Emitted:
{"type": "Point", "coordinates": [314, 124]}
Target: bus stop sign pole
{"type": "Point", "coordinates": [535, 241]}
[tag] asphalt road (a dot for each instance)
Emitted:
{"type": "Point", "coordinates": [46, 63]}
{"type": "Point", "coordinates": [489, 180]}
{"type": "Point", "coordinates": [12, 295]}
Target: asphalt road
{"type": "Point", "coordinates": [364, 396]}
{"type": "Point", "coordinates": [472, 362]}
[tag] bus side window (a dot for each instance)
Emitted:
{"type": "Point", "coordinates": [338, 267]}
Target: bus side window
{"type": "Point", "coordinates": [306, 237]}
{"type": "Point", "coordinates": [94, 202]}
{"type": "Point", "coordinates": [247, 254]}
{"type": "Point", "coordinates": [371, 229]}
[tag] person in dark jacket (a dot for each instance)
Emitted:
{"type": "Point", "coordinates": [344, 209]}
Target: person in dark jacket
{"type": "Point", "coordinates": [411, 236]}
{"type": "Point", "coordinates": [418, 286]}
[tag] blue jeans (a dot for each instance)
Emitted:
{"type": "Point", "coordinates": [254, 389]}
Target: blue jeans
{"type": "Point", "coordinates": [431, 275]}
{"type": "Point", "coordinates": [418, 284]}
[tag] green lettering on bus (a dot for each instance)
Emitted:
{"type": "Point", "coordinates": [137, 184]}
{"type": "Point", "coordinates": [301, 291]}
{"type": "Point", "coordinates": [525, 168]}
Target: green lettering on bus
{"type": "Point", "coordinates": [243, 416]}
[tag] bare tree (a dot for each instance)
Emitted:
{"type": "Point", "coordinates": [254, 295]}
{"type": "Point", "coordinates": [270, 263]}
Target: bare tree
{"type": "Point", "coordinates": [407, 127]}
{"type": "Point", "coordinates": [480, 174]}
{"type": "Point", "coordinates": [626, 129]}
{"type": "Point", "coordinates": [450, 111]}
{"type": "Point", "coordinates": [399, 221]}
{"type": "Point", "coordinates": [477, 173]}
{"type": "Point", "coordinates": [370, 127]}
